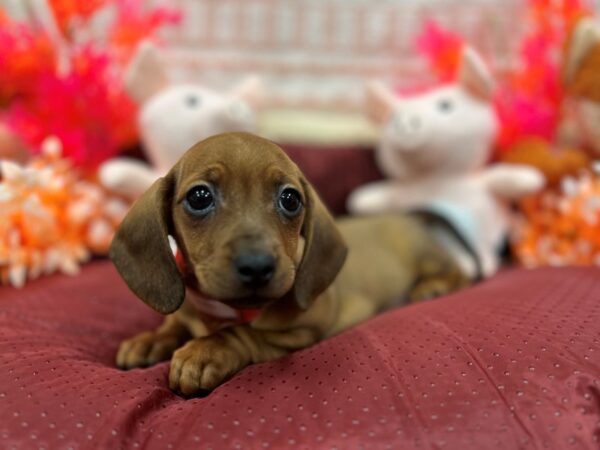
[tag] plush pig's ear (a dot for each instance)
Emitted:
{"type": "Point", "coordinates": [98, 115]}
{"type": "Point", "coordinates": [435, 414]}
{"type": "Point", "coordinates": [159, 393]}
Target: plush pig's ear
{"type": "Point", "coordinates": [474, 76]}
{"type": "Point", "coordinates": [250, 91]}
{"type": "Point", "coordinates": [146, 74]}
{"type": "Point", "coordinates": [585, 37]}
{"type": "Point", "coordinates": [380, 101]}
{"type": "Point", "coordinates": [244, 100]}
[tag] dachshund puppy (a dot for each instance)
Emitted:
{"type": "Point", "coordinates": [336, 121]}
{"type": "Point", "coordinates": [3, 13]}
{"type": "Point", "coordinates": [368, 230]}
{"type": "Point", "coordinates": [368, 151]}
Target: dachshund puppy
{"type": "Point", "coordinates": [261, 268]}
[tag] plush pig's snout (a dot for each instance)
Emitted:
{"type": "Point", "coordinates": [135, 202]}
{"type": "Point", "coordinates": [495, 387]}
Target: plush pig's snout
{"type": "Point", "coordinates": [407, 123]}
{"type": "Point", "coordinates": [407, 129]}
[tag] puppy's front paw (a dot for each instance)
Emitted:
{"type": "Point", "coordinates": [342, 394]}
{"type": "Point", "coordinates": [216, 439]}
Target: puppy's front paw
{"type": "Point", "coordinates": [436, 287]}
{"type": "Point", "coordinates": [203, 364]}
{"type": "Point", "coordinates": [146, 349]}
{"type": "Point", "coordinates": [429, 289]}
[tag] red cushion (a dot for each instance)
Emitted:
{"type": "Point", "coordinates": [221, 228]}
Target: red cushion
{"type": "Point", "coordinates": [511, 363]}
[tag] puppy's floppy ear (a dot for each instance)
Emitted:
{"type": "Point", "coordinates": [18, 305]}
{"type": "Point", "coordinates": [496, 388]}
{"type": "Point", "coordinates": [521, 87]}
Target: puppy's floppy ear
{"type": "Point", "coordinates": [141, 253]}
{"type": "Point", "coordinates": [324, 250]}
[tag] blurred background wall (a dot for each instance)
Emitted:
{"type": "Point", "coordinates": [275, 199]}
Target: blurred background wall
{"type": "Point", "coordinates": [317, 53]}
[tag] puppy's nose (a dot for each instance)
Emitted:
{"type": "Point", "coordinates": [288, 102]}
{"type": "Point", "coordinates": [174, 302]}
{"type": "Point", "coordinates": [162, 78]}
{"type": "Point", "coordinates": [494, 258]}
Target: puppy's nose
{"type": "Point", "coordinates": [255, 268]}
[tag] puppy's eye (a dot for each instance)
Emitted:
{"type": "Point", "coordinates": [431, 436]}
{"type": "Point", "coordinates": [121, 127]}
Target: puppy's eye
{"type": "Point", "coordinates": [290, 202]}
{"type": "Point", "coordinates": [199, 199]}
{"type": "Point", "coordinates": [445, 105]}
{"type": "Point", "coordinates": [192, 100]}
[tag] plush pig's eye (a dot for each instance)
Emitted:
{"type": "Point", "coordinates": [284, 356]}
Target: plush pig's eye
{"type": "Point", "coordinates": [445, 105]}
{"type": "Point", "coordinates": [192, 101]}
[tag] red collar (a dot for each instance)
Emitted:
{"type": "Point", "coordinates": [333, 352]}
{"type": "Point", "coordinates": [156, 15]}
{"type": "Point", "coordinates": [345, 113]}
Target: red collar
{"type": "Point", "coordinates": [248, 315]}
{"type": "Point", "coordinates": [243, 315]}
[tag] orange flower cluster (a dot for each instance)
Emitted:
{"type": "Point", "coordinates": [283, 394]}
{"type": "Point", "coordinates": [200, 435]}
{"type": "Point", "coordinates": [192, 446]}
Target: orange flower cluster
{"type": "Point", "coordinates": [24, 55]}
{"type": "Point", "coordinates": [562, 226]}
{"type": "Point", "coordinates": [46, 89]}
{"type": "Point", "coordinates": [50, 218]}
{"type": "Point", "coordinates": [67, 10]}
{"type": "Point", "coordinates": [442, 48]}
{"type": "Point", "coordinates": [133, 23]}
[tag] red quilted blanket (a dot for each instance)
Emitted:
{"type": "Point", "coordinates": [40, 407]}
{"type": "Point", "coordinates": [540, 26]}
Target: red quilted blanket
{"type": "Point", "coordinates": [511, 363]}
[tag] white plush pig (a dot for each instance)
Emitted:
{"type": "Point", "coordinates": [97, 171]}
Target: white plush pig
{"type": "Point", "coordinates": [172, 118]}
{"type": "Point", "coordinates": [434, 148]}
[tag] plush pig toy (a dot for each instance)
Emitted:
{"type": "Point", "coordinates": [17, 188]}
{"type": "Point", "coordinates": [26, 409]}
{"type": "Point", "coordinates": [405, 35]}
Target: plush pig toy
{"type": "Point", "coordinates": [581, 79]}
{"type": "Point", "coordinates": [434, 148]}
{"type": "Point", "coordinates": [172, 119]}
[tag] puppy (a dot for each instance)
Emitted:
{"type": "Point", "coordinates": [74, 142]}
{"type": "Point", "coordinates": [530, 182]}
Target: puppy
{"type": "Point", "coordinates": [266, 269]}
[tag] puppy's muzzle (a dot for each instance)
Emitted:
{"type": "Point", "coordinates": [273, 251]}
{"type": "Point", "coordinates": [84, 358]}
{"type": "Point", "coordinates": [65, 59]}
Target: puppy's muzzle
{"type": "Point", "coordinates": [255, 268]}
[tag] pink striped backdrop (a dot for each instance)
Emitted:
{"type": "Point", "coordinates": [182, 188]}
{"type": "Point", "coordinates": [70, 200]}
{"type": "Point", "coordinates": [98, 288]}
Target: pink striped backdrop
{"type": "Point", "coordinates": [317, 53]}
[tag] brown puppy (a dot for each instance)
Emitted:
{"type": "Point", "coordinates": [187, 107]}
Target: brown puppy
{"type": "Point", "coordinates": [253, 234]}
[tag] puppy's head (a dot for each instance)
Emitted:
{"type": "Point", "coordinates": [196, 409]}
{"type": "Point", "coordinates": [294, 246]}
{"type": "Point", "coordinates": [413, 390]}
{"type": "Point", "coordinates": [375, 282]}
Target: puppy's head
{"type": "Point", "coordinates": [250, 228]}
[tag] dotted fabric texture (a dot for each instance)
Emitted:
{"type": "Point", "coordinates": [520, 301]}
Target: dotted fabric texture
{"type": "Point", "coordinates": [512, 363]}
